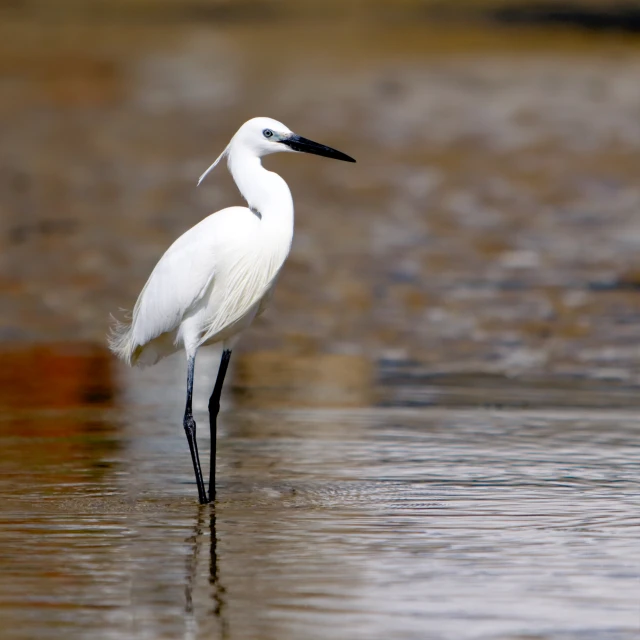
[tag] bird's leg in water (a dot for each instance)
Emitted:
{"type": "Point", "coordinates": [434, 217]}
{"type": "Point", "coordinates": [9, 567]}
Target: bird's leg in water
{"type": "Point", "coordinates": [214, 408]}
{"type": "Point", "coordinates": [190, 429]}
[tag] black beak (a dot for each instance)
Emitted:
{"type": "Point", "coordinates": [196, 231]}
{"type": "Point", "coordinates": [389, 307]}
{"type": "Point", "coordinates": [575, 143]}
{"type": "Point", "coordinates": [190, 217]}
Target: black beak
{"type": "Point", "coordinates": [298, 143]}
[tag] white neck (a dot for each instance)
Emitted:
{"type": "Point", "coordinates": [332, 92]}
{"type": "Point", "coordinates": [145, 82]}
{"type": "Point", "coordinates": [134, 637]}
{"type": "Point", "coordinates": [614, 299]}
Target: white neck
{"type": "Point", "coordinates": [265, 191]}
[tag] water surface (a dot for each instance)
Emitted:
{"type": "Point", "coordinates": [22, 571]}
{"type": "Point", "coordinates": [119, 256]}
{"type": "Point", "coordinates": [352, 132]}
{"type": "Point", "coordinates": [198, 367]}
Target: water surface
{"type": "Point", "coordinates": [332, 520]}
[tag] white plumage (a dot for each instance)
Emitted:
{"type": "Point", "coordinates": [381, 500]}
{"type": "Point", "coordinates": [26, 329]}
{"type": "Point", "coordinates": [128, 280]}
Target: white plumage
{"type": "Point", "coordinates": [210, 283]}
{"type": "Point", "coordinates": [218, 276]}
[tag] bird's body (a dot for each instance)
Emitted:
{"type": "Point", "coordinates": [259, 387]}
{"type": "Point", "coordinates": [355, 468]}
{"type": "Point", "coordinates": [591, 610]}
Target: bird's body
{"type": "Point", "coordinates": [219, 275]}
{"type": "Point", "coordinates": [212, 281]}
{"type": "Point", "coordinates": [208, 286]}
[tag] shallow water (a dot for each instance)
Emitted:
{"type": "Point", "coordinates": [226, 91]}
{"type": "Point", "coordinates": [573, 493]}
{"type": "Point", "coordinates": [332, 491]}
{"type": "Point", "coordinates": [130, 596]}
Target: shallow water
{"type": "Point", "coordinates": [349, 521]}
{"type": "Point", "coordinates": [432, 433]}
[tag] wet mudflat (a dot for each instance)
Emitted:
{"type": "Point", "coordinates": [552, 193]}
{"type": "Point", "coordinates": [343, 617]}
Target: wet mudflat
{"type": "Point", "coordinates": [489, 225]}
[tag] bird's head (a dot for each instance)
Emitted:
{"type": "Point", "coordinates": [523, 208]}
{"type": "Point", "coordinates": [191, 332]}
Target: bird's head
{"type": "Point", "coordinates": [263, 136]}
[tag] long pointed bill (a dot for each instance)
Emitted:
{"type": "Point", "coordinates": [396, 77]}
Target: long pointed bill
{"type": "Point", "coordinates": [298, 143]}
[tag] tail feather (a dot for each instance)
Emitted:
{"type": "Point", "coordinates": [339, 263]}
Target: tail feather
{"type": "Point", "coordinates": [121, 344]}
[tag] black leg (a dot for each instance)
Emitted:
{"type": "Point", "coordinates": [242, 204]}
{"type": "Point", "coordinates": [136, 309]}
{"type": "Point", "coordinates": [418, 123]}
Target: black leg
{"type": "Point", "coordinates": [190, 429]}
{"type": "Point", "coordinates": [214, 408]}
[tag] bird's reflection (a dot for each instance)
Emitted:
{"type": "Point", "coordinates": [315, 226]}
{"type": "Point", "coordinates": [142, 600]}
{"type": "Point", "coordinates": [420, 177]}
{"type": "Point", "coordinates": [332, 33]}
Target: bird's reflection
{"type": "Point", "coordinates": [192, 562]}
{"type": "Point", "coordinates": [218, 592]}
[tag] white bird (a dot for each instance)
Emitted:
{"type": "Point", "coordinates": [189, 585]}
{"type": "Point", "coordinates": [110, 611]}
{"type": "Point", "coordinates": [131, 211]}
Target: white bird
{"type": "Point", "coordinates": [218, 276]}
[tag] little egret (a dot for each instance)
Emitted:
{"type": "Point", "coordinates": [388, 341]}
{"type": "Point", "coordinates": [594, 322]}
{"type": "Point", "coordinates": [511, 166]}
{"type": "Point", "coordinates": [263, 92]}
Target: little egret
{"type": "Point", "coordinates": [218, 276]}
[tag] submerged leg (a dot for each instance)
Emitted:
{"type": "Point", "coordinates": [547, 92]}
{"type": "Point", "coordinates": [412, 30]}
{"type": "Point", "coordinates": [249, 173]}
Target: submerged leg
{"type": "Point", "coordinates": [190, 429]}
{"type": "Point", "coordinates": [214, 408]}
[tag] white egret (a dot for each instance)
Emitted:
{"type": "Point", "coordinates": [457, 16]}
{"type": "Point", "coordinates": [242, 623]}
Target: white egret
{"type": "Point", "coordinates": [218, 276]}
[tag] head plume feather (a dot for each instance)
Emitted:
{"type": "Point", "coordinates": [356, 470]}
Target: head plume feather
{"type": "Point", "coordinates": [213, 166]}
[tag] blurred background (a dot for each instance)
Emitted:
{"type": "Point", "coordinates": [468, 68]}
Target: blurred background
{"type": "Point", "coordinates": [490, 225]}
{"type": "Point", "coordinates": [484, 250]}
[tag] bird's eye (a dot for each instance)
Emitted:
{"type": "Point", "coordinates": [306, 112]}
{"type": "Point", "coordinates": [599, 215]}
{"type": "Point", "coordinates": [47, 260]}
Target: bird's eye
{"type": "Point", "coordinates": [267, 133]}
